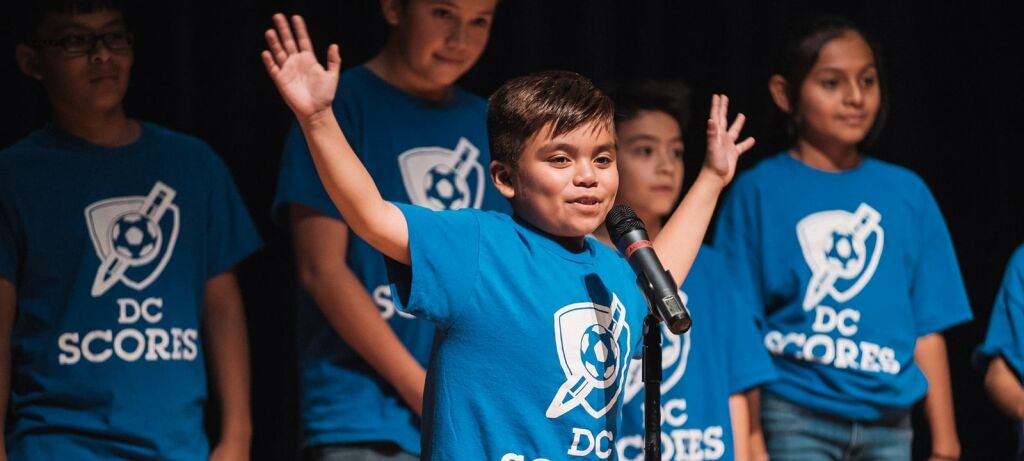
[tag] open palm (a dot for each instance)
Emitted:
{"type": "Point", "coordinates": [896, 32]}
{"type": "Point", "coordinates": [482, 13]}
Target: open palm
{"type": "Point", "coordinates": [306, 86]}
{"type": "Point", "coordinates": [723, 150]}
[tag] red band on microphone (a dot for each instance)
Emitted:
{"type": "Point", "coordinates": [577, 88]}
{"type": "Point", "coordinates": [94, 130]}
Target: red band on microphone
{"type": "Point", "coordinates": [636, 246]}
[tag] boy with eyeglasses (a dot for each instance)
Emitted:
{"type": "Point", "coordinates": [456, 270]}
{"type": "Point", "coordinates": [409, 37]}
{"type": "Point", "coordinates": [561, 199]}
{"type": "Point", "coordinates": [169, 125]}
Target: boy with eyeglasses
{"type": "Point", "coordinates": [117, 242]}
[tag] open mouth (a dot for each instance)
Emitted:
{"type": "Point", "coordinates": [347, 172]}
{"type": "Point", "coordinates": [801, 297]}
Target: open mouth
{"type": "Point", "coordinates": [586, 203]}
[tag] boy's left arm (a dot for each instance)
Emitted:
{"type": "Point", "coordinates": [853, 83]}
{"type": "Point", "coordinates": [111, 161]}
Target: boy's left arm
{"type": "Point", "coordinates": [930, 355]}
{"type": "Point", "coordinates": [228, 354]}
{"type": "Point", "coordinates": [683, 234]}
{"type": "Point", "coordinates": [739, 414]}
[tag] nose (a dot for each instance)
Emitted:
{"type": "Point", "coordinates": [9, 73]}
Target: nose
{"type": "Point", "coordinates": [586, 175]}
{"type": "Point", "coordinates": [854, 95]}
{"type": "Point", "coordinates": [99, 53]}
{"type": "Point", "coordinates": [456, 35]}
{"type": "Point", "coordinates": [667, 163]}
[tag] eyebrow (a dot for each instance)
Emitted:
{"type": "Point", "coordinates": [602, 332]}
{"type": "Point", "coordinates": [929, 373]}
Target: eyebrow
{"type": "Point", "coordinates": [572, 148]}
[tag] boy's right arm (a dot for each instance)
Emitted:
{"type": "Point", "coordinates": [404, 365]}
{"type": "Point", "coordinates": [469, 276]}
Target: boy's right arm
{"type": "Point", "coordinates": [7, 305]}
{"type": "Point", "coordinates": [308, 89]}
{"type": "Point", "coordinates": [319, 240]}
{"type": "Point", "coordinates": [1004, 388]}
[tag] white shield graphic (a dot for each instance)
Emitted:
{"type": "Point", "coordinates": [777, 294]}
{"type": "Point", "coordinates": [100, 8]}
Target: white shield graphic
{"type": "Point", "coordinates": [587, 339]}
{"type": "Point", "coordinates": [443, 179]}
{"type": "Point", "coordinates": [129, 232]}
{"type": "Point", "coordinates": [834, 244]}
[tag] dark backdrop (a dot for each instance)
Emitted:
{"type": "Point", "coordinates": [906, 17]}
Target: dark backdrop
{"type": "Point", "coordinates": [953, 72]}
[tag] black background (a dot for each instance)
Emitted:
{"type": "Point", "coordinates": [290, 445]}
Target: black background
{"type": "Point", "coordinates": [953, 72]}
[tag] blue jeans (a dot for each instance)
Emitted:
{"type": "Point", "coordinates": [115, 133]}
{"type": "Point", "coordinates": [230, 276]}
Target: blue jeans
{"type": "Point", "coordinates": [795, 433]}
{"type": "Point", "coordinates": [358, 452]}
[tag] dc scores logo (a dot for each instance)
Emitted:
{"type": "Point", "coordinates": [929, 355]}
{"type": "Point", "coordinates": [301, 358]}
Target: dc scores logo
{"type": "Point", "coordinates": [675, 353]}
{"type": "Point", "coordinates": [587, 338]}
{"type": "Point", "coordinates": [443, 179]}
{"type": "Point", "coordinates": [133, 237]}
{"type": "Point", "coordinates": [842, 250]}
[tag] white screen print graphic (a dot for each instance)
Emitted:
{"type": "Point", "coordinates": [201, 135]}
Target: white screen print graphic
{"type": "Point", "coordinates": [443, 179]}
{"type": "Point", "coordinates": [131, 232]}
{"type": "Point", "coordinates": [835, 245]}
{"type": "Point", "coordinates": [587, 338]}
{"type": "Point", "coordinates": [675, 353]}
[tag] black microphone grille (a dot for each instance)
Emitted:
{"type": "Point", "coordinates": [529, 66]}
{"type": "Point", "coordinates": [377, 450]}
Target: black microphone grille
{"type": "Point", "coordinates": [622, 219]}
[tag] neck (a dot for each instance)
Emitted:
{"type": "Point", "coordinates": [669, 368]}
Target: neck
{"type": "Point", "coordinates": [106, 128]}
{"type": "Point", "coordinates": [827, 156]}
{"type": "Point", "coordinates": [389, 67]}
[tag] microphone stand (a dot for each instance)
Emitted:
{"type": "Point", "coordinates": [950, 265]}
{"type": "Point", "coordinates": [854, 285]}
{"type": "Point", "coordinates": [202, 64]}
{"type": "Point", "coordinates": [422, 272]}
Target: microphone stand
{"type": "Point", "coordinates": [651, 365]}
{"type": "Point", "coordinates": [652, 387]}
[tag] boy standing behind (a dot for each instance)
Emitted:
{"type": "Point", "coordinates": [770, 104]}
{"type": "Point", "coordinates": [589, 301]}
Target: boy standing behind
{"type": "Point", "coordinates": [117, 243]}
{"type": "Point", "coordinates": [536, 321]}
{"type": "Point", "coordinates": [424, 141]}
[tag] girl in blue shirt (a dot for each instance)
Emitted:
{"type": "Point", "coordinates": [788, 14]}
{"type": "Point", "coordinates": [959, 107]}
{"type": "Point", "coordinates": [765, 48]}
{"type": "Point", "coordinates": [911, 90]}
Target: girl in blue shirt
{"type": "Point", "coordinates": [850, 263]}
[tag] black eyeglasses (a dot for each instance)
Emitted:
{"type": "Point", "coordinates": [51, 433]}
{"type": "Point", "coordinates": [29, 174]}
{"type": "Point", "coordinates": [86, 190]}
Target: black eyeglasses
{"type": "Point", "coordinates": [85, 43]}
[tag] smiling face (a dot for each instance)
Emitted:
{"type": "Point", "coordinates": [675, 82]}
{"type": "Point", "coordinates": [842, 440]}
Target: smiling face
{"type": "Point", "coordinates": [840, 97]}
{"type": "Point", "coordinates": [85, 82]}
{"type": "Point", "coordinates": [439, 40]}
{"type": "Point", "coordinates": [564, 185]}
{"type": "Point", "coordinates": [650, 163]}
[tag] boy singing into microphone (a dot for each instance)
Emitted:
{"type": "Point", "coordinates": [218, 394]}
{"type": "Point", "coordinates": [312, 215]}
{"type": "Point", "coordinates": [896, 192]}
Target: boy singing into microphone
{"type": "Point", "coordinates": [525, 366]}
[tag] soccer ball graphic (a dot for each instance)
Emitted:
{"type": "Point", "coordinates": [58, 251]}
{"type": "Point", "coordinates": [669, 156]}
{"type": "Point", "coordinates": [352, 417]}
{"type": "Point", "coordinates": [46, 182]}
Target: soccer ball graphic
{"type": "Point", "coordinates": [844, 253]}
{"type": "Point", "coordinates": [443, 189]}
{"type": "Point", "coordinates": [136, 238]}
{"type": "Point", "coordinates": [599, 352]}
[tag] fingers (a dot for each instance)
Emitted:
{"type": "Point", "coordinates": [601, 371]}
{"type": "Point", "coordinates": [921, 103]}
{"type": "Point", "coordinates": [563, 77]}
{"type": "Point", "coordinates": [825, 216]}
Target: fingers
{"type": "Point", "coordinates": [737, 126]}
{"type": "Point", "coordinates": [723, 111]}
{"type": "Point", "coordinates": [277, 53]}
{"type": "Point", "coordinates": [333, 60]}
{"type": "Point", "coordinates": [268, 61]}
{"type": "Point", "coordinates": [301, 34]}
{"type": "Point", "coordinates": [745, 145]}
{"type": "Point", "coordinates": [284, 31]}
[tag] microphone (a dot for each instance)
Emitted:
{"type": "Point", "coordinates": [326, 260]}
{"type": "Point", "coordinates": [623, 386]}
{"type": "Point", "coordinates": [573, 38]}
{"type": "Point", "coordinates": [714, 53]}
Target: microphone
{"type": "Point", "coordinates": [629, 234]}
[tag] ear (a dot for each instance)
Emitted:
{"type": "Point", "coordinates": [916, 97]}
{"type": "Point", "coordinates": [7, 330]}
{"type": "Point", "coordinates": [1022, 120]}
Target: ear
{"type": "Point", "coordinates": [502, 177]}
{"type": "Point", "coordinates": [392, 10]}
{"type": "Point", "coordinates": [777, 86]}
{"type": "Point", "coordinates": [28, 61]}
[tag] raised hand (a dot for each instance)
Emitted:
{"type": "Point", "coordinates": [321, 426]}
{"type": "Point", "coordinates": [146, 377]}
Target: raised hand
{"type": "Point", "coordinates": [723, 150]}
{"type": "Point", "coordinates": [304, 84]}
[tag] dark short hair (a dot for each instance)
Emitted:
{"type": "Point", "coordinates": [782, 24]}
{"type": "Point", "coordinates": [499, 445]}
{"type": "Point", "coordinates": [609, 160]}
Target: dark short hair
{"type": "Point", "coordinates": [32, 12]}
{"type": "Point", "coordinates": [807, 37]}
{"type": "Point", "coordinates": [525, 105]}
{"type": "Point", "coordinates": [672, 98]}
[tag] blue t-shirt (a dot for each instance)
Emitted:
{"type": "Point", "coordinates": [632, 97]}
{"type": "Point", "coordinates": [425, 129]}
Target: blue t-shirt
{"type": "Point", "coordinates": [110, 250]}
{"type": "Point", "coordinates": [431, 154]}
{"type": "Point", "coordinates": [533, 341]}
{"type": "Point", "coordinates": [1006, 326]}
{"type": "Point", "coordinates": [721, 356]}
{"type": "Point", "coordinates": [848, 270]}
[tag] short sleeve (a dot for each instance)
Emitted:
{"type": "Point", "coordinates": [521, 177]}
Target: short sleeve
{"type": "Point", "coordinates": [936, 288]}
{"type": "Point", "coordinates": [1005, 334]}
{"type": "Point", "coordinates": [737, 238]}
{"type": "Point", "coordinates": [444, 248]}
{"type": "Point", "coordinates": [230, 233]}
